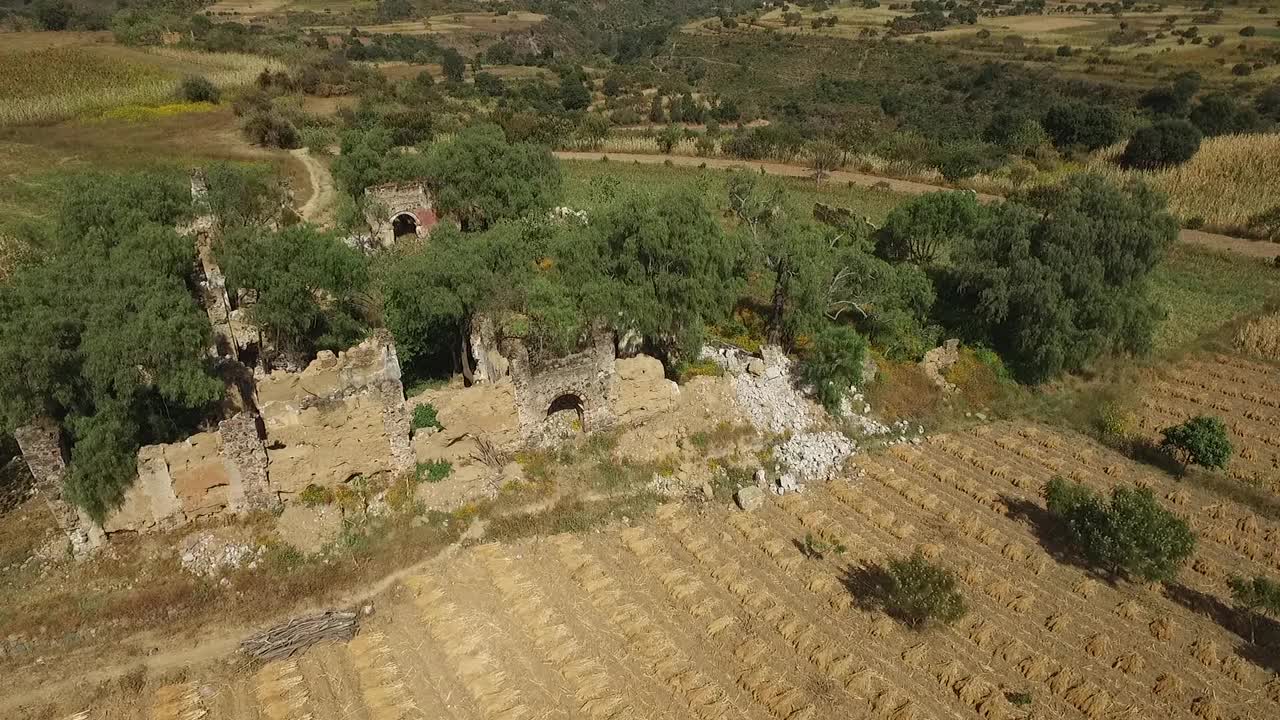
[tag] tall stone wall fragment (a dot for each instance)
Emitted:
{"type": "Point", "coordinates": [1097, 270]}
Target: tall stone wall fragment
{"type": "Point", "coordinates": [246, 457]}
{"type": "Point", "coordinates": [45, 455]}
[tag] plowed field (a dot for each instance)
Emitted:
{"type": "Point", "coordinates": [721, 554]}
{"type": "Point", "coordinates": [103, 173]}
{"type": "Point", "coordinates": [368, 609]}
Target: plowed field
{"type": "Point", "coordinates": [1244, 393]}
{"type": "Point", "coordinates": [707, 613]}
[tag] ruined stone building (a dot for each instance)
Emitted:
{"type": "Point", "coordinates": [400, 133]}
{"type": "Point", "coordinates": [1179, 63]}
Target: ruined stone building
{"type": "Point", "coordinates": [395, 210]}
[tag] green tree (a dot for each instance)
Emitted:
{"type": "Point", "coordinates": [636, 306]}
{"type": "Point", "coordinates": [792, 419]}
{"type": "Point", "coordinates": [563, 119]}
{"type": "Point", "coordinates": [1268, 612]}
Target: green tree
{"type": "Point", "coordinates": [1131, 535]}
{"type": "Point", "coordinates": [1059, 276]}
{"type": "Point", "coordinates": [53, 14]}
{"type": "Point", "coordinates": [242, 196]}
{"type": "Point", "coordinates": [1165, 143]}
{"type": "Point", "coordinates": [1202, 441]}
{"type": "Point", "coordinates": [660, 266]}
{"type": "Point", "coordinates": [102, 333]}
{"type": "Point", "coordinates": [453, 65]}
{"type": "Point", "coordinates": [308, 285]}
{"type": "Point", "coordinates": [197, 88]}
{"type": "Point", "coordinates": [1253, 596]}
{"type": "Point", "coordinates": [574, 95]}
{"type": "Point", "coordinates": [924, 229]}
{"type": "Point", "coordinates": [1077, 124]}
{"type": "Point", "coordinates": [1220, 114]}
{"type": "Point", "coordinates": [918, 592]}
{"type": "Point", "coordinates": [833, 363]}
{"type": "Point", "coordinates": [479, 178]}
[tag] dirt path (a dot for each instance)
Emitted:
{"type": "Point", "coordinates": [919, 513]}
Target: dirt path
{"type": "Point", "coordinates": [1242, 246]}
{"type": "Point", "coordinates": [318, 208]}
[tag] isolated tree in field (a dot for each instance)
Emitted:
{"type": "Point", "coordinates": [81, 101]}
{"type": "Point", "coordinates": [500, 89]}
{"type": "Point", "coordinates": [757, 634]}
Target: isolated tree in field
{"type": "Point", "coordinates": [479, 178]}
{"type": "Point", "coordinates": [1059, 276]}
{"type": "Point", "coordinates": [102, 333]}
{"type": "Point", "coordinates": [668, 138]}
{"type": "Point", "coordinates": [197, 88]}
{"type": "Point", "coordinates": [1130, 535]}
{"type": "Point", "coordinates": [1202, 441]}
{"type": "Point", "coordinates": [1165, 143]}
{"type": "Point", "coordinates": [923, 230]}
{"type": "Point", "coordinates": [1254, 596]}
{"type": "Point", "coordinates": [308, 284]}
{"type": "Point", "coordinates": [453, 65]}
{"type": "Point", "coordinates": [918, 592]}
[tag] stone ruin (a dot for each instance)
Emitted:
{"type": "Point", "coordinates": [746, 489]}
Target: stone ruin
{"type": "Point", "coordinates": [395, 210]}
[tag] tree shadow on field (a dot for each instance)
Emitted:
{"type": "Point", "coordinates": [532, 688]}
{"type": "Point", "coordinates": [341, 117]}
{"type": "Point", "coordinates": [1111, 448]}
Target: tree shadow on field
{"type": "Point", "coordinates": [1049, 533]}
{"type": "Point", "coordinates": [868, 584]}
{"type": "Point", "coordinates": [1261, 641]}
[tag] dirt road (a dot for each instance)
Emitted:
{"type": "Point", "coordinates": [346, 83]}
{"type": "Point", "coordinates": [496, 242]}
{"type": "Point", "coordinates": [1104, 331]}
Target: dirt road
{"type": "Point", "coordinates": [318, 208]}
{"type": "Point", "coordinates": [1242, 246]}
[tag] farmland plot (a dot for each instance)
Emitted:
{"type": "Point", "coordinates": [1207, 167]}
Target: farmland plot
{"type": "Point", "coordinates": [704, 613]}
{"type": "Point", "coordinates": [1244, 393]}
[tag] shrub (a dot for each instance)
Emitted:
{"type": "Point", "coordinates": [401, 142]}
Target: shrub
{"type": "Point", "coordinates": [1064, 51]}
{"type": "Point", "coordinates": [271, 130]}
{"type": "Point", "coordinates": [424, 416]}
{"type": "Point", "coordinates": [1081, 124]}
{"type": "Point", "coordinates": [1132, 534]}
{"type": "Point", "coordinates": [833, 363]}
{"type": "Point", "coordinates": [433, 471]}
{"type": "Point", "coordinates": [1248, 31]}
{"type": "Point", "coordinates": [197, 88]}
{"type": "Point", "coordinates": [919, 592]}
{"type": "Point", "coordinates": [1165, 143]}
{"type": "Point", "coordinates": [313, 496]}
{"type": "Point", "coordinates": [1202, 441]}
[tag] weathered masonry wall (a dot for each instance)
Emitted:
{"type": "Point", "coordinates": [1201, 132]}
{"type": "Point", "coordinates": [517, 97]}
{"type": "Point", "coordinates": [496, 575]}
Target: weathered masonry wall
{"type": "Point", "coordinates": [385, 203]}
{"type": "Point", "coordinates": [46, 457]}
{"type": "Point", "coordinates": [344, 415]}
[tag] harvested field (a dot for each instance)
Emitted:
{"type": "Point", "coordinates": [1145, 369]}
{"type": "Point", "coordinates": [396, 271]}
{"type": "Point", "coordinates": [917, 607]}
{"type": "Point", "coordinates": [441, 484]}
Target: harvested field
{"type": "Point", "coordinates": [1245, 393]}
{"type": "Point", "coordinates": [708, 613]}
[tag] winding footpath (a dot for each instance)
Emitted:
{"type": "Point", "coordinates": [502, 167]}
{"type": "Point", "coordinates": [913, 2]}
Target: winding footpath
{"type": "Point", "coordinates": [1242, 246]}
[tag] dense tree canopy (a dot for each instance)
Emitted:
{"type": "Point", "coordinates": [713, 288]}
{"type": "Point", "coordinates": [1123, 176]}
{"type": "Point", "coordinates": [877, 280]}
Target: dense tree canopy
{"type": "Point", "coordinates": [1059, 278]}
{"type": "Point", "coordinates": [103, 333]}
{"type": "Point", "coordinates": [479, 178]}
{"type": "Point", "coordinates": [1167, 142]}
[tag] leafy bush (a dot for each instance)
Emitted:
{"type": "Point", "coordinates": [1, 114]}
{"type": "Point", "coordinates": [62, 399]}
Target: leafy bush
{"type": "Point", "coordinates": [270, 129]}
{"type": "Point", "coordinates": [197, 88]}
{"type": "Point", "coordinates": [1131, 535]}
{"type": "Point", "coordinates": [1083, 125]}
{"type": "Point", "coordinates": [433, 471]}
{"type": "Point", "coordinates": [1220, 114]}
{"type": "Point", "coordinates": [833, 363]}
{"type": "Point", "coordinates": [424, 416]}
{"type": "Point", "coordinates": [1167, 142]}
{"type": "Point", "coordinates": [919, 592]}
{"type": "Point", "coordinates": [1202, 441]}
{"type": "Point", "coordinates": [925, 229]}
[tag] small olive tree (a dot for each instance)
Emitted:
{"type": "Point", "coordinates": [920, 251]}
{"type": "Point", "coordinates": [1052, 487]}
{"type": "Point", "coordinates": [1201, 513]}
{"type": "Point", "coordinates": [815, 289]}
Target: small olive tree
{"type": "Point", "coordinates": [919, 592]}
{"type": "Point", "coordinates": [1202, 441]}
{"type": "Point", "coordinates": [1131, 535]}
{"type": "Point", "coordinates": [1254, 596]}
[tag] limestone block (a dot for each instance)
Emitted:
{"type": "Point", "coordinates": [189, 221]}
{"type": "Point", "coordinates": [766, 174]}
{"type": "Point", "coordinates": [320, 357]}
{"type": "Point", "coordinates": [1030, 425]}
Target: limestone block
{"type": "Point", "coordinates": [200, 477]}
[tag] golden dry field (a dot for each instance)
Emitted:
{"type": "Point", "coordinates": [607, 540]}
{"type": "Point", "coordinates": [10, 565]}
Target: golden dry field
{"type": "Point", "coordinates": [1229, 180]}
{"type": "Point", "coordinates": [708, 613]}
{"type": "Point", "coordinates": [45, 80]}
{"type": "Point", "coordinates": [1243, 392]}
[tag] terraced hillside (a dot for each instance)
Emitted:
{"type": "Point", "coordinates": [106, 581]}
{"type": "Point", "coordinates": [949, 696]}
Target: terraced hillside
{"type": "Point", "coordinates": [707, 613]}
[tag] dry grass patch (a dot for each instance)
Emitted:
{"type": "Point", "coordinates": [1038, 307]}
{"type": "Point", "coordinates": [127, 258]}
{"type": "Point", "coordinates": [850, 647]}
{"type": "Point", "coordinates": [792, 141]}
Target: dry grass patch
{"type": "Point", "coordinates": [1261, 337]}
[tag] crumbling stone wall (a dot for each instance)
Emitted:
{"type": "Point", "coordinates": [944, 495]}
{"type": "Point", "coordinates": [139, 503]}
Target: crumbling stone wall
{"type": "Point", "coordinates": [46, 458]}
{"type": "Point", "coordinates": [588, 376]}
{"type": "Point", "coordinates": [344, 415]}
{"type": "Point", "coordinates": [384, 203]}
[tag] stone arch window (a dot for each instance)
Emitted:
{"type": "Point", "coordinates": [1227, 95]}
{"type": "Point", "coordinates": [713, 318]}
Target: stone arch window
{"type": "Point", "coordinates": [404, 224]}
{"type": "Point", "coordinates": [566, 412]}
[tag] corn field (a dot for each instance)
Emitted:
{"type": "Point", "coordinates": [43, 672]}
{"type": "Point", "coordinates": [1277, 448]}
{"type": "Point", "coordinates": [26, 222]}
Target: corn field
{"type": "Point", "coordinates": [1232, 179]}
{"type": "Point", "coordinates": [61, 83]}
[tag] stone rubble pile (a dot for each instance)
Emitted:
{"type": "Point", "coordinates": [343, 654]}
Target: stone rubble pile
{"type": "Point", "coordinates": [811, 456]}
{"type": "Point", "coordinates": [207, 555]}
{"type": "Point", "coordinates": [764, 388]}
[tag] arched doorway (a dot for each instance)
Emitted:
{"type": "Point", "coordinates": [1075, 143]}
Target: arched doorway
{"type": "Point", "coordinates": [564, 416]}
{"type": "Point", "coordinates": [404, 224]}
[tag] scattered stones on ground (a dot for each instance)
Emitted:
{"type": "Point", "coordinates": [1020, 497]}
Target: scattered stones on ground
{"type": "Point", "coordinates": [207, 555]}
{"type": "Point", "coordinates": [811, 457]}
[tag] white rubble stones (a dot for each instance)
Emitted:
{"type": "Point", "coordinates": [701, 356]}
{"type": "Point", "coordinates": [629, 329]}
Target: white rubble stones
{"type": "Point", "coordinates": [749, 498]}
{"type": "Point", "coordinates": [764, 388]}
{"type": "Point", "coordinates": [206, 555]}
{"type": "Point", "coordinates": [564, 215]}
{"type": "Point", "coordinates": [811, 456]}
